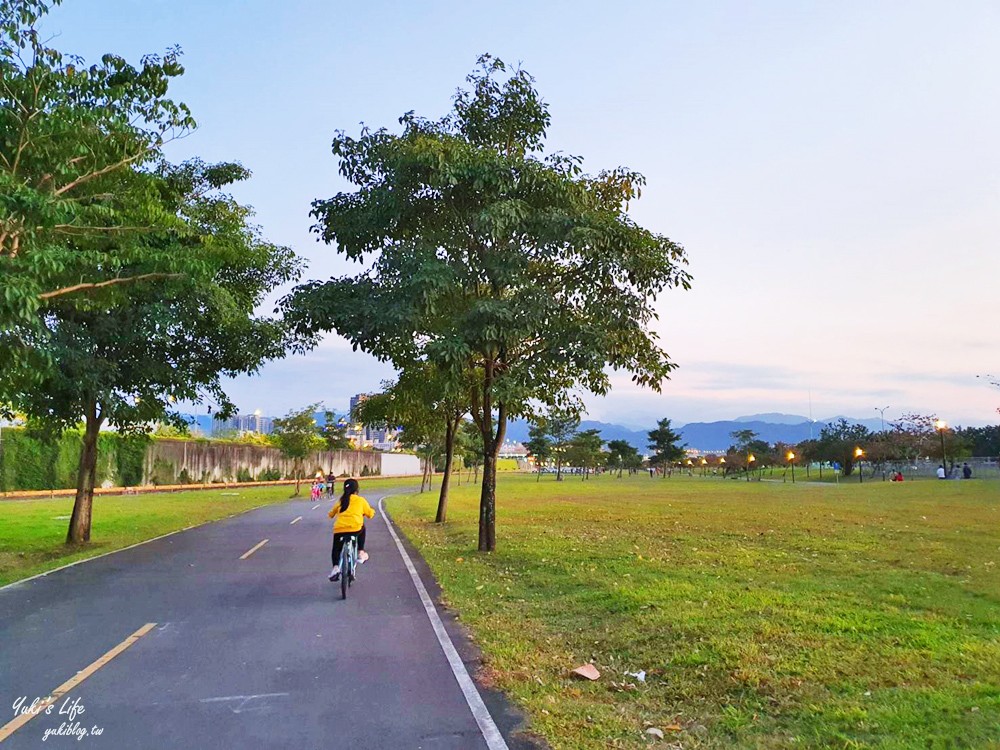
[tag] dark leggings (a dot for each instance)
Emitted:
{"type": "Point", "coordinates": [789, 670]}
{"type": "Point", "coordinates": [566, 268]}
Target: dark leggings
{"type": "Point", "coordinates": [339, 539]}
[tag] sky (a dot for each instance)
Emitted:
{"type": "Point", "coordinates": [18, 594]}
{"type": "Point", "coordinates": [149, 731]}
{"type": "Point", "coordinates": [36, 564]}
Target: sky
{"type": "Point", "coordinates": [832, 169]}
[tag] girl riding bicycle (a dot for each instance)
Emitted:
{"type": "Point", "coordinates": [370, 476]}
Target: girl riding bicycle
{"type": "Point", "coordinates": [350, 515]}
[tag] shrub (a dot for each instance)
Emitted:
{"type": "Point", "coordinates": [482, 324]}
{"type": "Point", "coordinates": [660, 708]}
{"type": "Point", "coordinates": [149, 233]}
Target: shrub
{"type": "Point", "coordinates": [244, 475]}
{"type": "Point", "coordinates": [184, 477]}
{"type": "Point", "coordinates": [269, 475]}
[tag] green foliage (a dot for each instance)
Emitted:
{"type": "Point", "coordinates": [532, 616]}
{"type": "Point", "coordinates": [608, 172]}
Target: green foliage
{"type": "Point", "coordinates": [31, 461]}
{"type": "Point", "coordinates": [585, 451]}
{"type": "Point", "coordinates": [184, 477]}
{"type": "Point", "coordinates": [76, 141]}
{"type": "Point", "coordinates": [244, 475]}
{"type": "Point", "coordinates": [269, 475]}
{"type": "Point", "coordinates": [131, 456]}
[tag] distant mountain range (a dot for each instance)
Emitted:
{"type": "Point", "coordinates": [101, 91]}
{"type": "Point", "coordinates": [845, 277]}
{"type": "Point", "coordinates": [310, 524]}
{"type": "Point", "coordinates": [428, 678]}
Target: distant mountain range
{"type": "Point", "coordinates": [714, 436]}
{"type": "Point", "coordinates": [703, 436]}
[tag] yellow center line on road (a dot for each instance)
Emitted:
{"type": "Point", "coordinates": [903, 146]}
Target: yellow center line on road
{"type": "Point", "coordinates": [253, 549]}
{"type": "Point", "coordinates": [296, 520]}
{"type": "Point", "coordinates": [12, 726]}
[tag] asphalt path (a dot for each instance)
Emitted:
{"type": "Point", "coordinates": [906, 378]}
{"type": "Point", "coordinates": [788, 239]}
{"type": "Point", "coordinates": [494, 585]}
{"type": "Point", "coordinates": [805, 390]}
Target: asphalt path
{"type": "Point", "coordinates": [254, 652]}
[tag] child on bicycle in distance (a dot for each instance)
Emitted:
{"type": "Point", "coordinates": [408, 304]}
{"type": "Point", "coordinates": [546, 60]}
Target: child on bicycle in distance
{"type": "Point", "coordinates": [350, 515]}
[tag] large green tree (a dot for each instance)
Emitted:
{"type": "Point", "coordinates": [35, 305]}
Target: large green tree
{"type": "Point", "coordinates": [126, 361]}
{"type": "Point", "coordinates": [489, 256]}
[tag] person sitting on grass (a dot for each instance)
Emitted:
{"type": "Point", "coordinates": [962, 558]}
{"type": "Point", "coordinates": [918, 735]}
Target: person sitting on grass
{"type": "Point", "coordinates": [350, 515]}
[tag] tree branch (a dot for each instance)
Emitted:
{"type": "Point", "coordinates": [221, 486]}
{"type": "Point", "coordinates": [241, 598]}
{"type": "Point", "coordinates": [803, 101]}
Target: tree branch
{"type": "Point", "coordinates": [111, 282]}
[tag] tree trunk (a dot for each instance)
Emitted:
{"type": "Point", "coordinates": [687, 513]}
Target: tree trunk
{"type": "Point", "coordinates": [79, 522]}
{"type": "Point", "coordinates": [487, 504]}
{"type": "Point", "coordinates": [451, 429]}
{"type": "Point", "coordinates": [558, 469]}
{"type": "Point", "coordinates": [298, 477]}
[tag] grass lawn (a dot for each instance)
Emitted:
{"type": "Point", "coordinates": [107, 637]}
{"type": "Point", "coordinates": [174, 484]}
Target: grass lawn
{"type": "Point", "coordinates": [765, 615]}
{"type": "Point", "coordinates": [33, 532]}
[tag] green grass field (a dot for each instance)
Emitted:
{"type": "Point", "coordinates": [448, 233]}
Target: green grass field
{"type": "Point", "coordinates": [32, 532]}
{"type": "Point", "coordinates": [765, 615]}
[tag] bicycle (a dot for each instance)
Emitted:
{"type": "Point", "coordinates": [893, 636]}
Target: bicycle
{"type": "Point", "coordinates": [348, 564]}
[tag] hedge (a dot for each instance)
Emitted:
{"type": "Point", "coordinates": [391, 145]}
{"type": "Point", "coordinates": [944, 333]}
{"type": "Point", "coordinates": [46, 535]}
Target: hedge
{"type": "Point", "coordinates": [27, 462]}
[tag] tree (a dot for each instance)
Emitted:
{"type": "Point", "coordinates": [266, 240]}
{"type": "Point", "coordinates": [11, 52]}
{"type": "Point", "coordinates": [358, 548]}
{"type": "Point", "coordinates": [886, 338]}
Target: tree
{"type": "Point", "coordinates": [490, 257]}
{"type": "Point", "coordinates": [79, 194]}
{"type": "Point", "coordinates": [334, 433]}
{"type": "Point", "coordinates": [539, 447]}
{"type": "Point", "coordinates": [585, 451]}
{"type": "Point", "coordinates": [622, 455]}
{"type": "Point", "coordinates": [470, 444]}
{"type": "Point", "coordinates": [128, 364]}
{"type": "Point", "coordinates": [663, 442]}
{"type": "Point", "coordinates": [559, 424]}
{"type": "Point", "coordinates": [839, 441]}
{"type": "Point", "coordinates": [296, 436]}
{"type": "Point", "coordinates": [423, 400]}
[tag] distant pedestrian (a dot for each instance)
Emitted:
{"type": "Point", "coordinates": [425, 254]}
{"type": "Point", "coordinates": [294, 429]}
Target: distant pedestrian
{"type": "Point", "coordinates": [897, 476]}
{"type": "Point", "coordinates": [941, 474]}
{"type": "Point", "coordinates": [966, 471]}
{"type": "Point", "coordinates": [331, 482]}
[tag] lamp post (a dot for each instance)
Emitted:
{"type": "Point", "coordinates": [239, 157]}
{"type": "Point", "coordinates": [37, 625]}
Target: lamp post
{"type": "Point", "coordinates": [881, 415]}
{"type": "Point", "coordinates": [858, 455]}
{"type": "Point", "coordinates": [750, 459]}
{"type": "Point", "coordinates": [941, 426]}
{"type": "Point", "coordinates": [791, 462]}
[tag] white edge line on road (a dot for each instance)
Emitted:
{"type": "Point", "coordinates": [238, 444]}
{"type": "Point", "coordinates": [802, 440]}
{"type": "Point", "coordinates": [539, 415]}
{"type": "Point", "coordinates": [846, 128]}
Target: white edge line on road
{"type": "Point", "coordinates": [494, 740]}
{"type": "Point", "coordinates": [12, 584]}
{"type": "Point", "coordinates": [296, 520]}
{"type": "Point", "coordinates": [315, 506]}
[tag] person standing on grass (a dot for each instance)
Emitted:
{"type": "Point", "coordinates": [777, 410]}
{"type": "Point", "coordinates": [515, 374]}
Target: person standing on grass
{"type": "Point", "coordinates": [966, 471]}
{"type": "Point", "coordinates": [350, 514]}
{"type": "Point", "coordinates": [941, 474]}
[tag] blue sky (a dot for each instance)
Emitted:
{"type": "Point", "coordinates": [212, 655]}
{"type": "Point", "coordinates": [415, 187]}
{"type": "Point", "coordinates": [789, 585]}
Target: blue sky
{"type": "Point", "coordinates": [832, 169]}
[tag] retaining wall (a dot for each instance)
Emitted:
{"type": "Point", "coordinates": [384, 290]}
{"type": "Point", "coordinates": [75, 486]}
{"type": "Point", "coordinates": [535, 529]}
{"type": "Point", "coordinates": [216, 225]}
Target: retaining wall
{"type": "Point", "coordinates": [204, 462]}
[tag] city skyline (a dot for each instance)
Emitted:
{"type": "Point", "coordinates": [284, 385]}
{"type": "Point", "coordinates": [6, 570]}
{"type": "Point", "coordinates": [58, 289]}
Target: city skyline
{"type": "Point", "coordinates": [832, 172]}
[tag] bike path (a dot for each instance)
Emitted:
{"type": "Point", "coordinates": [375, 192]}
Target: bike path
{"type": "Point", "coordinates": [257, 652]}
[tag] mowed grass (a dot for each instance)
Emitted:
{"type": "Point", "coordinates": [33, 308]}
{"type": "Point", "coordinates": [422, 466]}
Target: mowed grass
{"type": "Point", "coordinates": [33, 532]}
{"type": "Point", "coordinates": [765, 615]}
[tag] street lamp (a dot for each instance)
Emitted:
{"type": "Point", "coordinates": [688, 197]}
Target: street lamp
{"type": "Point", "coordinates": [750, 459]}
{"type": "Point", "coordinates": [881, 414]}
{"type": "Point", "coordinates": [858, 455]}
{"type": "Point", "coordinates": [941, 426]}
{"type": "Point", "coordinates": [791, 462]}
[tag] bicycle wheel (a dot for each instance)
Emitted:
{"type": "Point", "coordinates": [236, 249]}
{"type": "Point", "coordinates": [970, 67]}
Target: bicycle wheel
{"type": "Point", "coordinates": [345, 567]}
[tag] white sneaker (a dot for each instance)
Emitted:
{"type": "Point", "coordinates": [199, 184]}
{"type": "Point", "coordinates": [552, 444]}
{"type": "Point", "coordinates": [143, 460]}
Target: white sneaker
{"type": "Point", "coordinates": [335, 573]}
{"type": "Point", "coordinates": [362, 556]}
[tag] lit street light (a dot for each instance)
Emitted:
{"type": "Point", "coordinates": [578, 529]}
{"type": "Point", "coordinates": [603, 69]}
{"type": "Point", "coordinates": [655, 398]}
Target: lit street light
{"type": "Point", "coordinates": [858, 455]}
{"type": "Point", "coordinates": [941, 426]}
{"type": "Point", "coordinates": [791, 462]}
{"type": "Point", "coordinates": [750, 459]}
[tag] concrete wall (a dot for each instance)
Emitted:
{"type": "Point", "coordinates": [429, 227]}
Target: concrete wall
{"type": "Point", "coordinates": [218, 462]}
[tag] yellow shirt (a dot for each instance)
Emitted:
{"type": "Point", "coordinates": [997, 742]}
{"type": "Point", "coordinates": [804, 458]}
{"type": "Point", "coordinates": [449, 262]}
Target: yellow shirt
{"type": "Point", "coordinates": [352, 519]}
